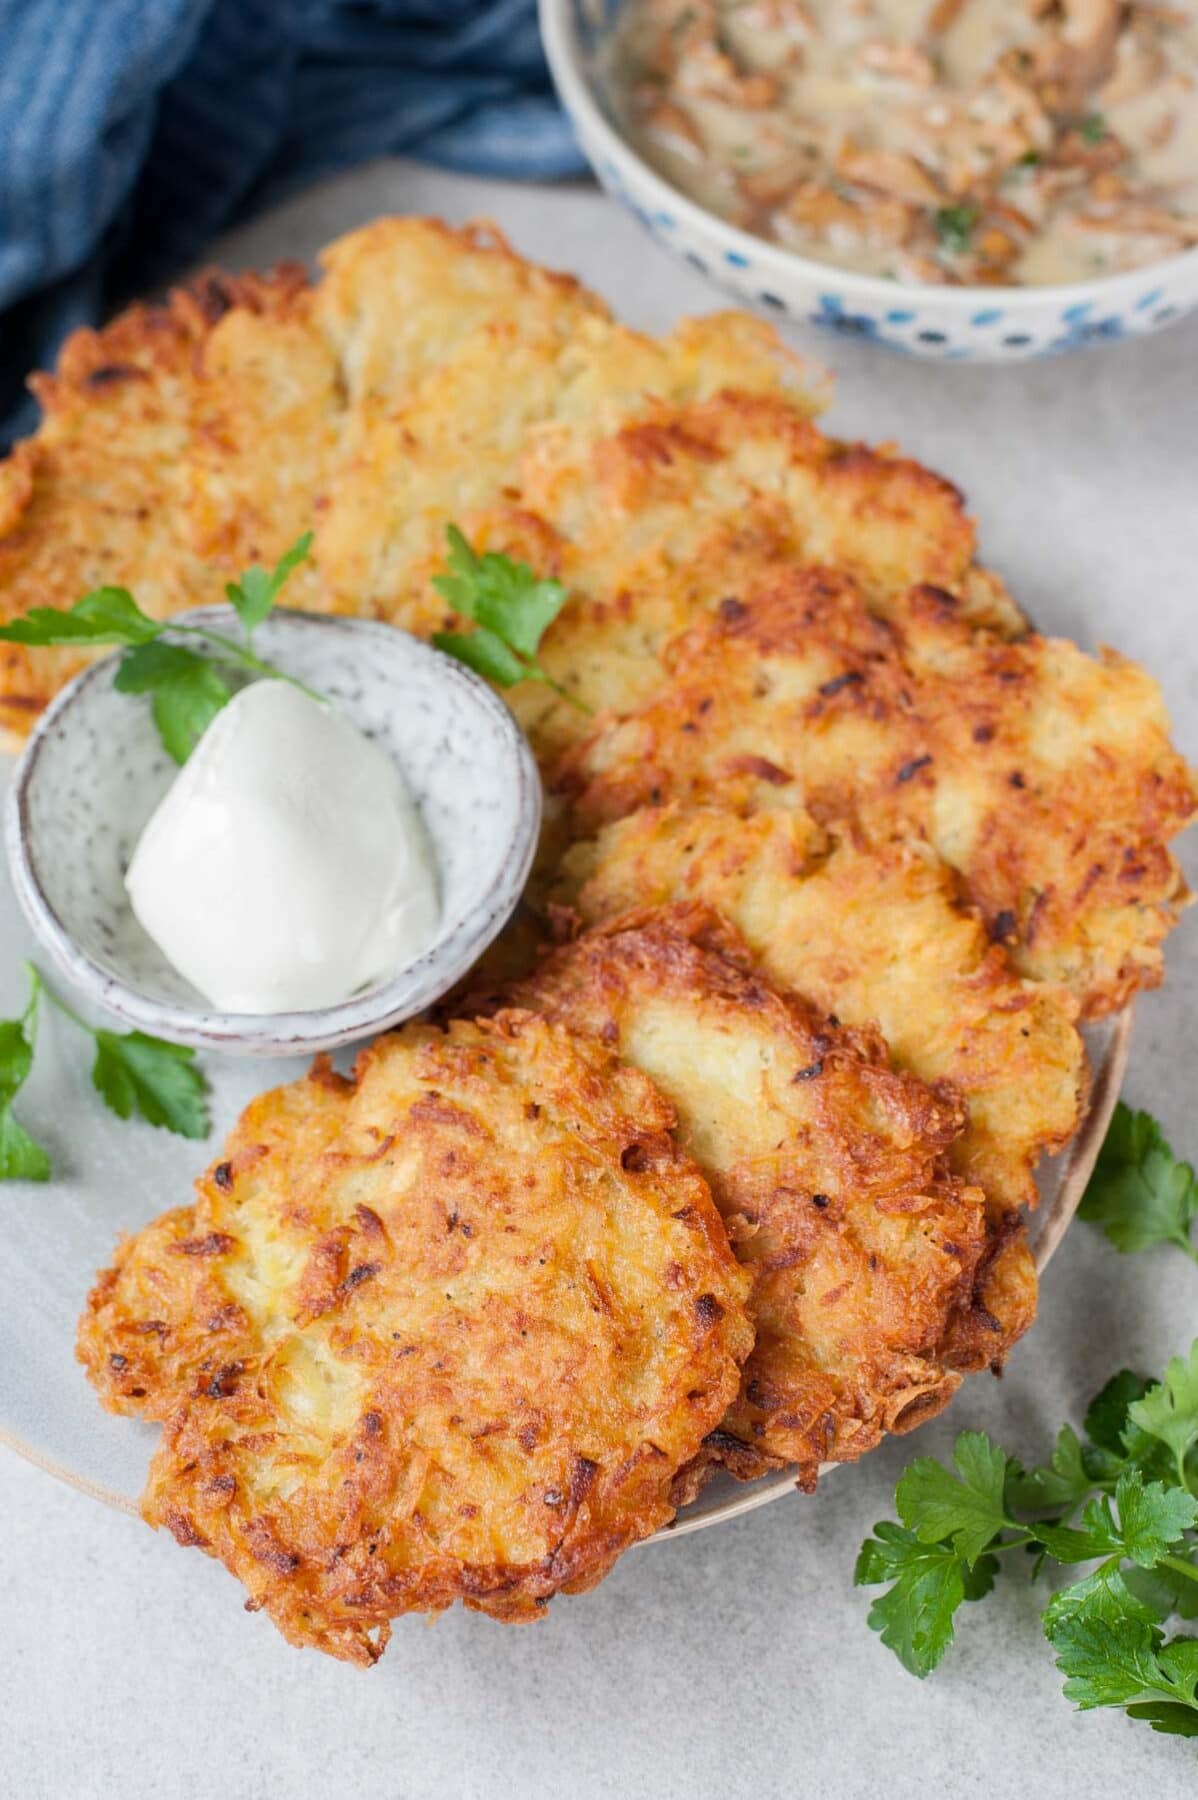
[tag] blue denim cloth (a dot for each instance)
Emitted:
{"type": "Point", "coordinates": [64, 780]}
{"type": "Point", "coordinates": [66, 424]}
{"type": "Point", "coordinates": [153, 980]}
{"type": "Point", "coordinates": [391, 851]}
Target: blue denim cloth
{"type": "Point", "coordinates": [131, 131]}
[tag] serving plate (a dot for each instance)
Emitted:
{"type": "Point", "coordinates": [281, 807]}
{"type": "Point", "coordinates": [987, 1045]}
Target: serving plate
{"type": "Point", "coordinates": [111, 1177]}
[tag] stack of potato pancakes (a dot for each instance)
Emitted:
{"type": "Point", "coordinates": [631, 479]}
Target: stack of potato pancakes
{"type": "Point", "coordinates": [721, 1162]}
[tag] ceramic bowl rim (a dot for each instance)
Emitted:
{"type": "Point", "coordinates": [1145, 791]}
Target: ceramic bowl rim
{"type": "Point", "coordinates": [563, 49]}
{"type": "Point", "coordinates": [402, 996]}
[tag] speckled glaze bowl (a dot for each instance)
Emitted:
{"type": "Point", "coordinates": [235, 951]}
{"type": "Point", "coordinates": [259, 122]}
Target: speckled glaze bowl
{"type": "Point", "coordinates": [94, 770]}
{"type": "Point", "coordinates": [950, 324]}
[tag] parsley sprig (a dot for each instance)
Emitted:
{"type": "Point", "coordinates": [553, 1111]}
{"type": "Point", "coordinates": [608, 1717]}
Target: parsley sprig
{"type": "Point", "coordinates": [1124, 1497]}
{"type": "Point", "coordinates": [954, 227]}
{"type": "Point", "coordinates": [132, 1073]}
{"type": "Point", "coordinates": [1140, 1193]}
{"type": "Point", "coordinates": [511, 609]}
{"type": "Point", "coordinates": [188, 687]}
{"type": "Point", "coordinates": [22, 1158]}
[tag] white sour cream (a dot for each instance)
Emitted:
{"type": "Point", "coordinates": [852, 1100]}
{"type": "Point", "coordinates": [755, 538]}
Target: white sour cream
{"type": "Point", "coordinates": [287, 867]}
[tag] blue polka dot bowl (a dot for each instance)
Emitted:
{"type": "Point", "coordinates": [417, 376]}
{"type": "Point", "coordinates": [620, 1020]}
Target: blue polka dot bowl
{"type": "Point", "coordinates": [951, 324]}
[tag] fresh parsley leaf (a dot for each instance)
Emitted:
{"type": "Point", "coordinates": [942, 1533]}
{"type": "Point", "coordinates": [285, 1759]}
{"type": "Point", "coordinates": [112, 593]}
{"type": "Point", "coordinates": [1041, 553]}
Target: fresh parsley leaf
{"type": "Point", "coordinates": [1106, 1421]}
{"type": "Point", "coordinates": [914, 1617]}
{"type": "Point", "coordinates": [1116, 1442]}
{"type": "Point", "coordinates": [515, 605]}
{"type": "Point", "coordinates": [1061, 1487]}
{"type": "Point", "coordinates": [1166, 1716]}
{"type": "Point", "coordinates": [149, 665]}
{"type": "Point", "coordinates": [1151, 1519]}
{"type": "Point", "coordinates": [966, 1509]}
{"type": "Point", "coordinates": [1139, 1192]}
{"type": "Point", "coordinates": [184, 709]}
{"type": "Point", "coordinates": [1169, 1411]}
{"type": "Point", "coordinates": [1103, 1597]}
{"type": "Point", "coordinates": [483, 652]}
{"type": "Point", "coordinates": [954, 227]}
{"type": "Point", "coordinates": [1123, 1661]}
{"type": "Point", "coordinates": [1109, 1662]}
{"type": "Point", "coordinates": [188, 692]}
{"type": "Point", "coordinates": [1106, 1628]}
{"type": "Point", "coordinates": [108, 615]}
{"type": "Point", "coordinates": [253, 596]}
{"type": "Point", "coordinates": [511, 607]}
{"type": "Point", "coordinates": [187, 689]}
{"type": "Point", "coordinates": [979, 1577]}
{"type": "Point", "coordinates": [22, 1158]}
{"type": "Point", "coordinates": [1093, 128]}
{"type": "Point", "coordinates": [1165, 1591]}
{"type": "Point", "coordinates": [500, 594]}
{"type": "Point", "coordinates": [457, 582]}
{"type": "Point", "coordinates": [134, 1073]}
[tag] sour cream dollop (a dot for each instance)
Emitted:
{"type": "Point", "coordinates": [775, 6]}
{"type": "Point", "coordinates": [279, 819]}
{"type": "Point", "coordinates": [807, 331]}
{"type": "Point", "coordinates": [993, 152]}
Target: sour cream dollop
{"type": "Point", "coordinates": [287, 866]}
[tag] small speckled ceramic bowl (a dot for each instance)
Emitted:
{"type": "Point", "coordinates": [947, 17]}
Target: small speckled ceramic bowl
{"type": "Point", "coordinates": [94, 770]}
{"type": "Point", "coordinates": [950, 324]}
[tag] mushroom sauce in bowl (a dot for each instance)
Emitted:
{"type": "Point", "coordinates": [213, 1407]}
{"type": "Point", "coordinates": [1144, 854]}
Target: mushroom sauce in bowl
{"type": "Point", "coordinates": [966, 180]}
{"type": "Point", "coordinates": [938, 141]}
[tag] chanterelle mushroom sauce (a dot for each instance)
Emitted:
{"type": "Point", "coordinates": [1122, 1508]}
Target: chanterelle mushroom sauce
{"type": "Point", "coordinates": [959, 141]}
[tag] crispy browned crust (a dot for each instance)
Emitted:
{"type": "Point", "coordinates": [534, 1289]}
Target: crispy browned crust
{"type": "Point", "coordinates": [877, 1276]}
{"type": "Point", "coordinates": [877, 937]}
{"type": "Point", "coordinates": [447, 1331]}
{"type": "Point", "coordinates": [1045, 777]}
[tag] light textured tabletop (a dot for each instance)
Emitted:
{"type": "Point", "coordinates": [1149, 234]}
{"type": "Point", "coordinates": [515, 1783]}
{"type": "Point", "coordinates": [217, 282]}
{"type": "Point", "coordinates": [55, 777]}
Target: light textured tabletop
{"type": "Point", "coordinates": [735, 1662]}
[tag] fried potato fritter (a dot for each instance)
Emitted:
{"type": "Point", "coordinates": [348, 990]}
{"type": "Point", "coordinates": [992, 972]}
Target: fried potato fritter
{"type": "Point", "coordinates": [1044, 776]}
{"type": "Point", "coordinates": [877, 1277]}
{"type": "Point", "coordinates": [446, 1331]}
{"type": "Point", "coordinates": [878, 938]}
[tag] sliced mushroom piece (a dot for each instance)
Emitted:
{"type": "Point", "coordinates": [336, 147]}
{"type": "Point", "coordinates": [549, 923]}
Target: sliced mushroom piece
{"type": "Point", "coordinates": [817, 211]}
{"type": "Point", "coordinates": [1079, 56]}
{"type": "Point", "coordinates": [893, 172]}
{"type": "Point", "coordinates": [995, 248]}
{"type": "Point", "coordinates": [770, 185]}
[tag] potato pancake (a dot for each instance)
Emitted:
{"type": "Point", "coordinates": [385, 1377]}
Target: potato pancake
{"type": "Point", "coordinates": [1043, 776]}
{"type": "Point", "coordinates": [877, 1277]}
{"type": "Point", "coordinates": [877, 938]}
{"type": "Point", "coordinates": [449, 1330]}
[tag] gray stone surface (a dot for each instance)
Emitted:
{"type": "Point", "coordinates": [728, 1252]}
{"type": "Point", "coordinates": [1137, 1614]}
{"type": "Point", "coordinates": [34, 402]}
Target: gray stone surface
{"type": "Point", "coordinates": [737, 1661]}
